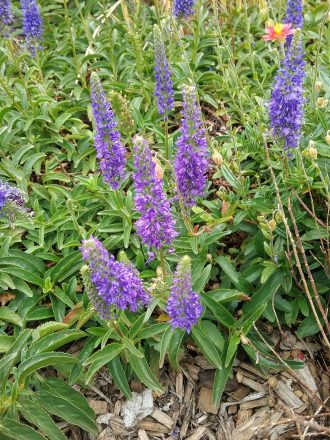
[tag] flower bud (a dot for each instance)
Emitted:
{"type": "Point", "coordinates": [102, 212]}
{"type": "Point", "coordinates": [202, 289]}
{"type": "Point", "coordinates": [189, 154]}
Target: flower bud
{"type": "Point", "coordinates": [311, 151]}
{"type": "Point", "coordinates": [318, 86]}
{"type": "Point", "coordinates": [217, 158]}
{"type": "Point", "coordinates": [322, 102]}
{"type": "Point", "coordinates": [209, 258]}
{"type": "Point", "coordinates": [159, 172]}
{"type": "Point", "coordinates": [327, 138]}
{"type": "Point", "coordinates": [272, 225]}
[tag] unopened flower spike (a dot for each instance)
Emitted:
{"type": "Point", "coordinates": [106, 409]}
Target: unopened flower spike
{"type": "Point", "coordinates": [109, 148]}
{"type": "Point", "coordinates": [191, 160]}
{"type": "Point", "coordinates": [164, 85]}
{"type": "Point", "coordinates": [183, 306]}
{"type": "Point", "coordinates": [115, 285]}
{"type": "Point", "coordinates": [120, 107]}
{"type": "Point", "coordinates": [183, 8]}
{"type": "Point", "coordinates": [32, 24]}
{"type": "Point", "coordinates": [156, 226]}
{"type": "Point", "coordinates": [287, 101]}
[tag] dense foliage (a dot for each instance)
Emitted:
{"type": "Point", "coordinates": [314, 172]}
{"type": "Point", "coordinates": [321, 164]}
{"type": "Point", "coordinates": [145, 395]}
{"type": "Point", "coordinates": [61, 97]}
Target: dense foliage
{"type": "Point", "coordinates": [154, 204]}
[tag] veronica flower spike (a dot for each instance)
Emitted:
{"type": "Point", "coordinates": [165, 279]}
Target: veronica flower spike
{"type": "Point", "coordinates": [32, 24]}
{"type": "Point", "coordinates": [164, 85]}
{"type": "Point", "coordinates": [111, 284]}
{"type": "Point", "coordinates": [109, 148]}
{"type": "Point", "coordinates": [183, 306]}
{"type": "Point", "coordinates": [5, 16]}
{"type": "Point", "coordinates": [294, 15]}
{"type": "Point", "coordinates": [156, 226]}
{"type": "Point", "coordinates": [287, 101]}
{"type": "Point", "coordinates": [191, 161]}
{"type": "Point", "coordinates": [183, 8]}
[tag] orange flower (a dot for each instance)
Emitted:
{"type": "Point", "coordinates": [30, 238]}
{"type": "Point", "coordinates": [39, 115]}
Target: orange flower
{"type": "Point", "coordinates": [278, 32]}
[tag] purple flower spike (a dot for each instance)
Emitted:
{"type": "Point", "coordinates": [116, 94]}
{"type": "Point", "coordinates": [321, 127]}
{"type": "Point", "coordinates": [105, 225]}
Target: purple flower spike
{"type": "Point", "coordinates": [183, 8]}
{"type": "Point", "coordinates": [286, 105]}
{"type": "Point", "coordinates": [110, 151]}
{"type": "Point", "coordinates": [191, 160]}
{"type": "Point", "coordinates": [183, 305]}
{"type": "Point", "coordinates": [5, 16]}
{"type": "Point", "coordinates": [294, 13]}
{"type": "Point", "coordinates": [32, 24]}
{"type": "Point", "coordinates": [117, 284]}
{"type": "Point", "coordinates": [156, 226]}
{"type": "Point", "coordinates": [164, 85]}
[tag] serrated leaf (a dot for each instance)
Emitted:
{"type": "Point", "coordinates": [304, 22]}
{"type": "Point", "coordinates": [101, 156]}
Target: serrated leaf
{"type": "Point", "coordinates": [18, 431]}
{"type": "Point", "coordinates": [34, 414]}
{"type": "Point", "coordinates": [165, 342]}
{"type": "Point", "coordinates": [42, 360]}
{"type": "Point", "coordinates": [7, 315]}
{"type": "Point", "coordinates": [60, 399]}
{"type": "Point", "coordinates": [118, 374]}
{"type": "Point", "coordinates": [223, 316]}
{"type": "Point", "coordinates": [206, 346]}
{"type": "Point", "coordinates": [143, 372]}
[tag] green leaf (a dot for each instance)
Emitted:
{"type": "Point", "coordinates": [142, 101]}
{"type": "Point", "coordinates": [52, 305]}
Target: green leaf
{"type": "Point", "coordinates": [131, 347]}
{"type": "Point", "coordinates": [34, 414]}
{"type": "Point", "coordinates": [203, 279]}
{"type": "Point", "coordinates": [175, 348]}
{"type": "Point", "coordinates": [220, 380]}
{"type": "Point", "coordinates": [60, 399]}
{"type": "Point", "coordinates": [207, 347]}
{"type": "Point", "coordinates": [265, 293]}
{"type": "Point", "coordinates": [165, 342]}
{"type": "Point", "coordinates": [55, 341]}
{"type": "Point", "coordinates": [5, 343]}
{"type": "Point", "coordinates": [18, 431]}
{"type": "Point", "coordinates": [229, 176]}
{"type": "Point", "coordinates": [106, 352]}
{"type": "Point", "coordinates": [118, 374]}
{"type": "Point", "coordinates": [143, 372]}
{"type": "Point", "coordinates": [220, 312]}
{"type": "Point", "coordinates": [42, 360]}
{"type": "Point", "coordinates": [65, 267]}
{"type": "Point", "coordinates": [152, 331]}
{"type": "Point", "coordinates": [7, 315]}
{"type": "Point", "coordinates": [229, 270]}
{"type": "Point", "coordinates": [232, 348]}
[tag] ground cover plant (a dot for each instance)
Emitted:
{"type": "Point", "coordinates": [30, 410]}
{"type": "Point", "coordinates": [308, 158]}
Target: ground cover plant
{"type": "Point", "coordinates": [164, 182]}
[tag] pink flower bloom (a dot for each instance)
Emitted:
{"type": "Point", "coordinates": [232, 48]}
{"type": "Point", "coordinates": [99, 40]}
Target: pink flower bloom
{"type": "Point", "coordinates": [278, 32]}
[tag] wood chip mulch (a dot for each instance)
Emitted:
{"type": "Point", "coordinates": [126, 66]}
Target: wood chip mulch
{"type": "Point", "coordinates": [286, 405]}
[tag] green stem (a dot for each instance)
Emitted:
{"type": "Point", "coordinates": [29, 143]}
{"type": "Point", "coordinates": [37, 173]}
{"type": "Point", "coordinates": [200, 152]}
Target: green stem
{"type": "Point", "coordinates": [162, 264]}
{"type": "Point", "coordinates": [167, 155]}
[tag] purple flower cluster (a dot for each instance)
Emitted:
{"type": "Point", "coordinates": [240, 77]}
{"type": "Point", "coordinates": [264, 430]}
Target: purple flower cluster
{"type": "Point", "coordinates": [183, 305]}
{"type": "Point", "coordinates": [156, 226]}
{"type": "Point", "coordinates": [117, 284]}
{"type": "Point", "coordinates": [110, 150]}
{"type": "Point", "coordinates": [183, 8]}
{"type": "Point", "coordinates": [5, 15]}
{"type": "Point", "coordinates": [12, 204]}
{"type": "Point", "coordinates": [191, 160]}
{"type": "Point", "coordinates": [164, 85]}
{"type": "Point", "coordinates": [286, 105]}
{"type": "Point", "coordinates": [32, 24]}
{"type": "Point", "coordinates": [294, 13]}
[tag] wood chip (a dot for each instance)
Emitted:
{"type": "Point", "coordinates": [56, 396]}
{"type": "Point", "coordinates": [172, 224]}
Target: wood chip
{"type": "Point", "coordinates": [205, 401]}
{"type": "Point", "coordinates": [99, 406]}
{"type": "Point", "coordinates": [256, 424]}
{"type": "Point", "coordinates": [179, 386]}
{"type": "Point", "coordinates": [162, 418]}
{"type": "Point", "coordinates": [148, 425]}
{"type": "Point", "coordinates": [142, 435]}
{"type": "Point", "coordinates": [197, 433]}
{"type": "Point", "coordinates": [285, 393]}
{"type": "Point", "coordinates": [243, 415]}
{"type": "Point", "coordinates": [203, 363]}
